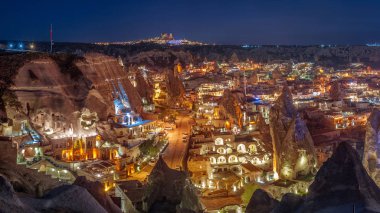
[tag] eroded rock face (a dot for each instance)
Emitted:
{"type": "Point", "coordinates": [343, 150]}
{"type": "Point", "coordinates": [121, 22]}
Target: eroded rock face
{"type": "Point", "coordinates": [261, 202]}
{"type": "Point", "coordinates": [342, 182]}
{"type": "Point", "coordinates": [104, 72]}
{"type": "Point", "coordinates": [67, 198]}
{"type": "Point", "coordinates": [341, 185]}
{"type": "Point", "coordinates": [97, 191]}
{"type": "Point", "coordinates": [293, 146]}
{"type": "Point", "coordinates": [144, 88]}
{"type": "Point", "coordinates": [230, 107]}
{"type": "Point", "coordinates": [66, 83]}
{"type": "Point", "coordinates": [372, 145]}
{"type": "Point", "coordinates": [175, 87]}
{"type": "Point", "coordinates": [169, 190]}
{"type": "Point", "coordinates": [9, 202]}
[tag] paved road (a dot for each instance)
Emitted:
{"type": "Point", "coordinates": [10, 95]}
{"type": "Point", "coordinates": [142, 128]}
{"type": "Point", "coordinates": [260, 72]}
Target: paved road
{"type": "Point", "coordinates": [176, 150]}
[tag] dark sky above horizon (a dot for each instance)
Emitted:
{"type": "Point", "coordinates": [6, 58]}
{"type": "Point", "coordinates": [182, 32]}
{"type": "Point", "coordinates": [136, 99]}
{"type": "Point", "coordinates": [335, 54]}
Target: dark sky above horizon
{"type": "Point", "coordinates": [211, 21]}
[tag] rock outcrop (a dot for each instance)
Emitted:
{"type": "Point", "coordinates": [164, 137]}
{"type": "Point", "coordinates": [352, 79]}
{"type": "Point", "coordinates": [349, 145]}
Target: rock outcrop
{"type": "Point", "coordinates": [230, 107]}
{"type": "Point", "coordinates": [341, 185]}
{"type": "Point", "coordinates": [175, 88]}
{"type": "Point", "coordinates": [144, 88]}
{"type": "Point", "coordinates": [336, 92]}
{"type": "Point", "coordinates": [9, 202]}
{"type": "Point", "coordinates": [371, 152]}
{"type": "Point", "coordinates": [261, 201]}
{"type": "Point", "coordinates": [66, 198]}
{"type": "Point", "coordinates": [104, 72]}
{"type": "Point", "coordinates": [65, 83]}
{"type": "Point", "coordinates": [97, 191]}
{"type": "Point", "coordinates": [290, 135]}
{"type": "Point", "coordinates": [342, 182]}
{"type": "Point", "coordinates": [169, 190]}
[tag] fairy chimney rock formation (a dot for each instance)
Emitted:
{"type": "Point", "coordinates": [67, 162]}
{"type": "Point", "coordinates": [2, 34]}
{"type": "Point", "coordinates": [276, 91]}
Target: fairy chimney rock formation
{"type": "Point", "coordinates": [293, 147]}
{"type": "Point", "coordinates": [372, 147]}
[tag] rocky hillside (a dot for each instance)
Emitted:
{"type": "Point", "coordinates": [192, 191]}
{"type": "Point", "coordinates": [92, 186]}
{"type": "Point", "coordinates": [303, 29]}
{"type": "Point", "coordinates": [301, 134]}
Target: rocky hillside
{"type": "Point", "coordinates": [341, 185]}
{"type": "Point", "coordinates": [163, 56]}
{"type": "Point", "coordinates": [63, 83]}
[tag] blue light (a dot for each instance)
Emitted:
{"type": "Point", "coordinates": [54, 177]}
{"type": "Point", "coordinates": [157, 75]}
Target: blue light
{"type": "Point", "coordinates": [10, 45]}
{"type": "Point", "coordinates": [20, 45]}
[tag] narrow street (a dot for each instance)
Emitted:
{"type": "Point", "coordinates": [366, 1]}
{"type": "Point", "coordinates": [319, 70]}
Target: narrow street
{"type": "Point", "coordinates": [176, 150]}
{"type": "Point", "coordinates": [174, 153]}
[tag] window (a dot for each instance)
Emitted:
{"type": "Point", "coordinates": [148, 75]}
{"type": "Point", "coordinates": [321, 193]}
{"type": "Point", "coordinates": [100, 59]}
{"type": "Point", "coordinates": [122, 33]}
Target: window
{"type": "Point", "coordinates": [219, 141]}
{"type": "Point", "coordinates": [221, 150]}
{"type": "Point", "coordinates": [232, 159]}
{"type": "Point", "coordinates": [241, 148]}
{"type": "Point", "coordinates": [221, 159]}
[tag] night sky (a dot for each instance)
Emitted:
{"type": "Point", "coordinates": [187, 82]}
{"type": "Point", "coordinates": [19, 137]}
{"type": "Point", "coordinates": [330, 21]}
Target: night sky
{"type": "Point", "coordinates": [211, 21]}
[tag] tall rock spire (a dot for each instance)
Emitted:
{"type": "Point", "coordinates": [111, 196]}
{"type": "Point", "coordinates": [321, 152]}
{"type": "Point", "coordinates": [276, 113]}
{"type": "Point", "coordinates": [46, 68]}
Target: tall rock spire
{"type": "Point", "coordinates": [371, 152]}
{"type": "Point", "coordinates": [293, 146]}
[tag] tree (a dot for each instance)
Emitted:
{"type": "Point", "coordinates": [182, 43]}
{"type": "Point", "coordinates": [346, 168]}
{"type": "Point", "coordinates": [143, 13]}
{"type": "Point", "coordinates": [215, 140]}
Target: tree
{"type": "Point", "coordinates": [248, 192]}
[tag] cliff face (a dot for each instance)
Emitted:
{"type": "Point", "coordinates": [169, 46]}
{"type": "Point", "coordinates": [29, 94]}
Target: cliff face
{"type": "Point", "coordinates": [41, 84]}
{"type": "Point", "coordinates": [67, 83]}
{"type": "Point", "coordinates": [104, 72]}
{"type": "Point", "coordinates": [371, 146]}
{"type": "Point", "coordinates": [24, 180]}
{"type": "Point", "coordinates": [290, 135]}
{"type": "Point", "coordinates": [341, 185]}
{"type": "Point", "coordinates": [144, 88]}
